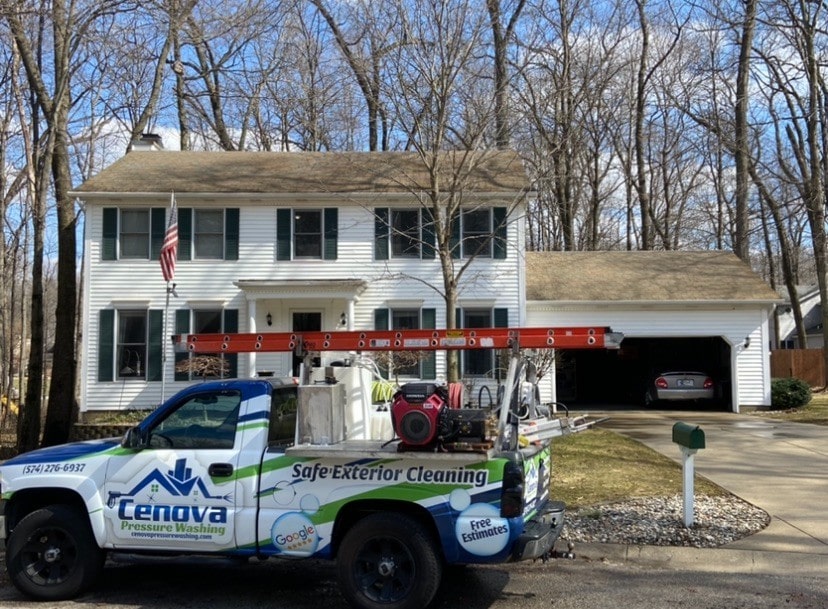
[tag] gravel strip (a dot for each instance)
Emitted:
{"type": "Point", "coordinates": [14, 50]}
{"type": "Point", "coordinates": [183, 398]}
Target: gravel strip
{"type": "Point", "coordinates": [659, 521]}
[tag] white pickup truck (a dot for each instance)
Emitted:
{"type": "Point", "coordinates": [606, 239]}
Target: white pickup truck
{"type": "Point", "coordinates": [213, 471]}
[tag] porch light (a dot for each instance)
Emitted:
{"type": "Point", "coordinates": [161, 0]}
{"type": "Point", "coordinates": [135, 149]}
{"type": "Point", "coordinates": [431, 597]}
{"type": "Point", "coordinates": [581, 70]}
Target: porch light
{"type": "Point", "coordinates": [269, 319]}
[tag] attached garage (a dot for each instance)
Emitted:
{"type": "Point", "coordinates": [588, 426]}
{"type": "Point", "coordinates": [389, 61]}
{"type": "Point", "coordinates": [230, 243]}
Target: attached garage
{"type": "Point", "coordinates": [706, 311]}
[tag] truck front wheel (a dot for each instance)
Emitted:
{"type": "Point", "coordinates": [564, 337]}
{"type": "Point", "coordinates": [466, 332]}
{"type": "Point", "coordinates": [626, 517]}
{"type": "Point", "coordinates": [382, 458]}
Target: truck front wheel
{"type": "Point", "coordinates": [51, 554]}
{"type": "Point", "coordinates": [388, 561]}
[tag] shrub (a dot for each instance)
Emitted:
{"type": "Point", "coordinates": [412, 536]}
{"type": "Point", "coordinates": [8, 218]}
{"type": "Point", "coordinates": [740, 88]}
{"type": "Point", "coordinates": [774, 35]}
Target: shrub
{"type": "Point", "coordinates": [789, 393]}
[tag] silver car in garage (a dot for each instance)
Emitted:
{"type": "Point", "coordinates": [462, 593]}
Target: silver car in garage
{"type": "Point", "coordinates": [680, 385]}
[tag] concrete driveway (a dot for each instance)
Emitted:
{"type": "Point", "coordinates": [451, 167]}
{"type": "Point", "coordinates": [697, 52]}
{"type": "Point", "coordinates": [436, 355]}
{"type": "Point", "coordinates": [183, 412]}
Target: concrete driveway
{"type": "Point", "coordinates": [778, 466]}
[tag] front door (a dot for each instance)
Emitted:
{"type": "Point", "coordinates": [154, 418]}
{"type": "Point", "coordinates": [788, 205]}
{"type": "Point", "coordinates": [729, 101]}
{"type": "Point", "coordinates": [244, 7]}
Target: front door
{"type": "Point", "coordinates": [304, 321]}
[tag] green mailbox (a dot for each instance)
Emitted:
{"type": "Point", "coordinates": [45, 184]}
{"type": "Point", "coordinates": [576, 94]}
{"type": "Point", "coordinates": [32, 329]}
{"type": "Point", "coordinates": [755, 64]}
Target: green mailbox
{"type": "Point", "coordinates": [689, 436]}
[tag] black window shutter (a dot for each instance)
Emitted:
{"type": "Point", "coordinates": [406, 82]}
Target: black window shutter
{"type": "Point", "coordinates": [381, 319]}
{"type": "Point", "coordinates": [331, 233]}
{"type": "Point", "coordinates": [381, 233]}
{"type": "Point", "coordinates": [182, 326]}
{"type": "Point", "coordinates": [499, 221]}
{"type": "Point", "coordinates": [501, 318]}
{"type": "Point", "coordinates": [428, 366]}
{"type": "Point", "coordinates": [231, 326]}
{"type": "Point", "coordinates": [284, 229]}
{"type": "Point", "coordinates": [109, 239]}
{"type": "Point", "coordinates": [185, 233]}
{"type": "Point", "coordinates": [158, 226]}
{"type": "Point", "coordinates": [428, 232]}
{"type": "Point", "coordinates": [106, 344]}
{"type": "Point", "coordinates": [155, 344]}
{"type": "Point", "coordinates": [231, 233]}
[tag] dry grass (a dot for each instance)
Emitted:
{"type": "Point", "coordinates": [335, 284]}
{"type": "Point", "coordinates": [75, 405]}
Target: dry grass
{"type": "Point", "coordinates": [815, 412]}
{"type": "Point", "coordinates": [599, 466]}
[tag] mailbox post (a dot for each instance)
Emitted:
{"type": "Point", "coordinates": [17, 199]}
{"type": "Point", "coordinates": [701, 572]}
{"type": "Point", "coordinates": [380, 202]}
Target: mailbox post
{"type": "Point", "coordinates": [690, 439]}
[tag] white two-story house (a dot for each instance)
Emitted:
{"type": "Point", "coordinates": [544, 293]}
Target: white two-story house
{"type": "Point", "coordinates": [275, 242]}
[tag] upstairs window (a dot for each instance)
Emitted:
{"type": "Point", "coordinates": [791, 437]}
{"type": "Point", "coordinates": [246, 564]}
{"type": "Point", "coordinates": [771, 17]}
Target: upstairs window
{"type": "Point", "coordinates": [138, 233]}
{"type": "Point", "coordinates": [405, 233]}
{"type": "Point", "coordinates": [208, 234]}
{"type": "Point", "coordinates": [308, 234]}
{"type": "Point", "coordinates": [134, 233]}
{"type": "Point", "coordinates": [410, 233]}
{"type": "Point", "coordinates": [477, 233]}
{"type": "Point", "coordinates": [307, 231]}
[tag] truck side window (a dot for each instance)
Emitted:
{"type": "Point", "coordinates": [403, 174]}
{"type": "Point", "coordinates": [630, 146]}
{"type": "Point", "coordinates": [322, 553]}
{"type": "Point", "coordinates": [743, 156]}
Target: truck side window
{"type": "Point", "coordinates": [202, 421]}
{"type": "Point", "coordinates": [282, 428]}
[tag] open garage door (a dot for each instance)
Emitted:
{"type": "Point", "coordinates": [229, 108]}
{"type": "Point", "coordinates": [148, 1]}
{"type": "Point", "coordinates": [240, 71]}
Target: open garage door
{"type": "Point", "coordinates": [621, 378]}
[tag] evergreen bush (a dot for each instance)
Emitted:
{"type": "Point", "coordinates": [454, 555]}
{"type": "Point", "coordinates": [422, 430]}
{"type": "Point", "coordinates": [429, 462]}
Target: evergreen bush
{"type": "Point", "coordinates": [789, 393]}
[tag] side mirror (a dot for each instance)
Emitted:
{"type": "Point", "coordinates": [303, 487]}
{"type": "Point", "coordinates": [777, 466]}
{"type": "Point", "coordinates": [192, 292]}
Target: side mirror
{"type": "Point", "coordinates": [135, 438]}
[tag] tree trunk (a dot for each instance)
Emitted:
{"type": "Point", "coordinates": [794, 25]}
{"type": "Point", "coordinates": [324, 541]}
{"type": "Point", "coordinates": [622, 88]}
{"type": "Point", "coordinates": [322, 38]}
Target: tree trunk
{"type": "Point", "coordinates": [741, 244]}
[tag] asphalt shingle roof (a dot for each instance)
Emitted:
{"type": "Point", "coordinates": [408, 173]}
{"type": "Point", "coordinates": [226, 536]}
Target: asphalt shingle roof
{"type": "Point", "coordinates": [646, 276]}
{"type": "Point", "coordinates": [300, 172]}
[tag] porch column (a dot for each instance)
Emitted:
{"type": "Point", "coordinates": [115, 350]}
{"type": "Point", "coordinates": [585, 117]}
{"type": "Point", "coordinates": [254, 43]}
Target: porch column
{"type": "Point", "coordinates": [251, 327]}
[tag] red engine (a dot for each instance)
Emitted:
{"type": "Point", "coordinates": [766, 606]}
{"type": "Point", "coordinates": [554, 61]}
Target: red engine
{"type": "Point", "coordinates": [415, 414]}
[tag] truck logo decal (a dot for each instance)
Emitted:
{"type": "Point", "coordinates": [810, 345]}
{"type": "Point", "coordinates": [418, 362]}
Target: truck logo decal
{"type": "Point", "coordinates": [178, 482]}
{"type": "Point", "coordinates": [156, 519]}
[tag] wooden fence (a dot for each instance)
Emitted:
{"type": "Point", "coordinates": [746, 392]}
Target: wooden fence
{"type": "Point", "coordinates": [805, 364]}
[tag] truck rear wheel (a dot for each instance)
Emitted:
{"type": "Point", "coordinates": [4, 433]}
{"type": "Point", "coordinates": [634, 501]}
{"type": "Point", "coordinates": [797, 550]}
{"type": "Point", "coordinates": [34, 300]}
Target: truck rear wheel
{"type": "Point", "coordinates": [388, 561]}
{"type": "Point", "coordinates": [52, 555]}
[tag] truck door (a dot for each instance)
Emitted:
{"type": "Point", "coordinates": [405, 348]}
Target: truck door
{"type": "Point", "coordinates": [178, 493]}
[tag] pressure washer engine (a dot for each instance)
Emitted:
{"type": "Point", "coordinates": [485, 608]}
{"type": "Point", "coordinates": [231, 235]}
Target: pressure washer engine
{"type": "Point", "coordinates": [423, 420]}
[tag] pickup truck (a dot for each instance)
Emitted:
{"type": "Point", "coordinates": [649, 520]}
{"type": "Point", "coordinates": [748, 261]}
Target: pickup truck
{"type": "Point", "coordinates": [210, 471]}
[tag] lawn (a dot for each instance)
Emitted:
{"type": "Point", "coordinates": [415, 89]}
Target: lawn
{"type": "Point", "coordinates": [598, 466]}
{"type": "Point", "coordinates": [815, 412]}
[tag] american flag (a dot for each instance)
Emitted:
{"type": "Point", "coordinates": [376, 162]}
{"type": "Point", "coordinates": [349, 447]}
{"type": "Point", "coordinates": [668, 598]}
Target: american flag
{"type": "Point", "coordinates": [169, 250]}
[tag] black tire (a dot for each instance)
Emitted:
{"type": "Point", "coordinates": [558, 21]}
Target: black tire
{"type": "Point", "coordinates": [51, 554]}
{"type": "Point", "coordinates": [388, 561]}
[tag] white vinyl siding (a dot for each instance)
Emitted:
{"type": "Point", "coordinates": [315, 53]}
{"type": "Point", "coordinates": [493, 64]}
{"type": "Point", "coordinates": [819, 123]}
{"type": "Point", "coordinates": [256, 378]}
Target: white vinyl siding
{"type": "Point", "coordinates": [210, 283]}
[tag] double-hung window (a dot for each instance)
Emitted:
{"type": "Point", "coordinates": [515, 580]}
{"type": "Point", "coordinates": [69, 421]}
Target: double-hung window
{"type": "Point", "coordinates": [410, 233]}
{"type": "Point", "coordinates": [405, 233]}
{"type": "Point", "coordinates": [132, 344]}
{"type": "Point", "coordinates": [410, 364]}
{"type": "Point", "coordinates": [481, 233]}
{"type": "Point", "coordinates": [307, 234]}
{"type": "Point", "coordinates": [138, 233]}
{"type": "Point", "coordinates": [208, 234]}
{"type": "Point", "coordinates": [134, 233]}
{"type": "Point", "coordinates": [482, 362]}
{"type": "Point", "coordinates": [206, 320]}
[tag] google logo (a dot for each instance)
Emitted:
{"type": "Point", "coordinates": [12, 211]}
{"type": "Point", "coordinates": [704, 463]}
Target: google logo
{"type": "Point", "coordinates": [293, 534]}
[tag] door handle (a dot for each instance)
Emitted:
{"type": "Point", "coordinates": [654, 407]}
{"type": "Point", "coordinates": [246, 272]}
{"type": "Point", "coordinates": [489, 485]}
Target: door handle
{"type": "Point", "coordinates": [220, 470]}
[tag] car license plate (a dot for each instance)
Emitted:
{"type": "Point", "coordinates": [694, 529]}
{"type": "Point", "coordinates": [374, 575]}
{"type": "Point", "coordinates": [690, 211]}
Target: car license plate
{"type": "Point", "coordinates": [685, 382]}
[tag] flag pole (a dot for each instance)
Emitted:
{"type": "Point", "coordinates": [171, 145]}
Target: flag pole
{"type": "Point", "coordinates": [164, 344]}
{"type": "Point", "coordinates": [169, 252]}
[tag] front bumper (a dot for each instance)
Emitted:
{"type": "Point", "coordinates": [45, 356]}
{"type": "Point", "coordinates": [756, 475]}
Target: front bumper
{"type": "Point", "coordinates": [541, 532]}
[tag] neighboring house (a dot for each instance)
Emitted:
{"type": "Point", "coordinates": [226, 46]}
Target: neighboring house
{"type": "Point", "coordinates": [811, 316]}
{"type": "Point", "coordinates": [274, 242]}
{"type": "Point", "coordinates": [697, 310]}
